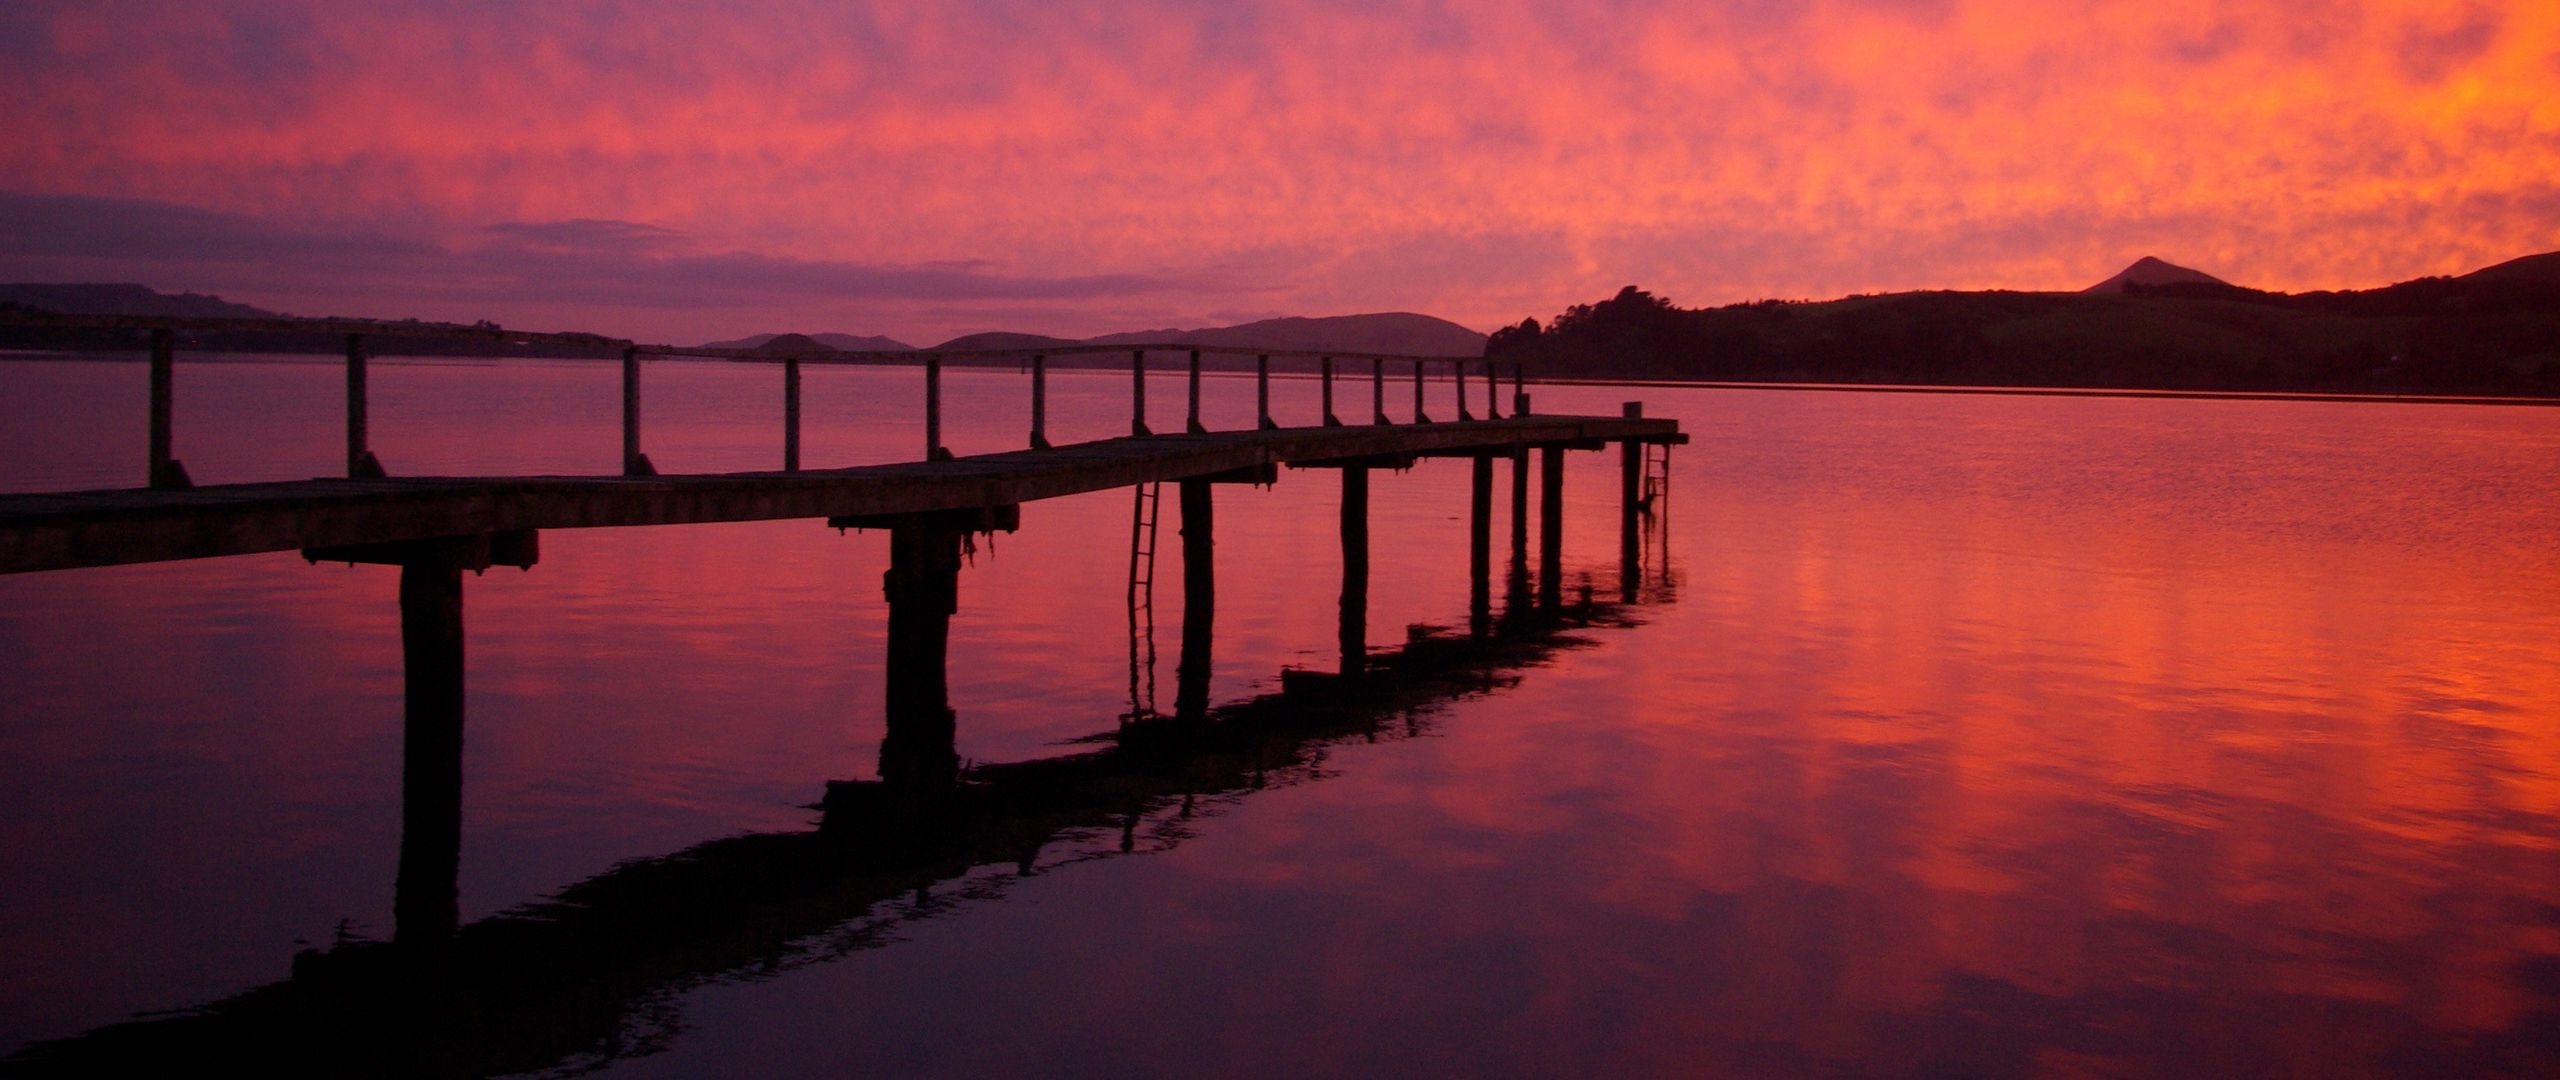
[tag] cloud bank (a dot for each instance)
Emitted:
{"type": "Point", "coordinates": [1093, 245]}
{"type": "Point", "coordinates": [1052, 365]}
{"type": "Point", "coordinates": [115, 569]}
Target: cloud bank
{"type": "Point", "coordinates": [923, 169]}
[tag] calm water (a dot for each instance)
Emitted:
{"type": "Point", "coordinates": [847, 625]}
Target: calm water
{"type": "Point", "coordinates": [1975, 735]}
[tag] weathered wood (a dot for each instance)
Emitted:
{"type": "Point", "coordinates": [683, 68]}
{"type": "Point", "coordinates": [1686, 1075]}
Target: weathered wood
{"type": "Point", "coordinates": [973, 519]}
{"type": "Point", "coordinates": [1519, 392]}
{"type": "Point", "coordinates": [60, 530]}
{"type": "Point", "coordinates": [1480, 546]}
{"type": "Point", "coordinates": [1492, 393]}
{"type": "Point", "coordinates": [165, 472]}
{"type": "Point", "coordinates": [1630, 506]}
{"type": "Point", "coordinates": [1138, 393]}
{"type": "Point", "coordinates": [1199, 601]}
{"type": "Point", "coordinates": [634, 463]}
{"type": "Point", "coordinates": [519, 548]}
{"type": "Point", "coordinates": [922, 585]}
{"type": "Point", "coordinates": [1040, 401]}
{"type": "Point", "coordinates": [1193, 424]}
{"type": "Point", "coordinates": [1378, 393]}
{"type": "Point", "coordinates": [1325, 375]}
{"type": "Point", "coordinates": [933, 450]}
{"type": "Point", "coordinates": [1550, 526]}
{"type": "Point", "coordinates": [361, 464]}
{"type": "Point", "coordinates": [424, 905]}
{"type": "Point", "coordinates": [791, 416]}
{"type": "Point", "coordinates": [1518, 589]}
{"type": "Point", "coordinates": [1421, 414]}
{"type": "Point", "coordinates": [1262, 393]}
{"type": "Point", "coordinates": [1354, 636]}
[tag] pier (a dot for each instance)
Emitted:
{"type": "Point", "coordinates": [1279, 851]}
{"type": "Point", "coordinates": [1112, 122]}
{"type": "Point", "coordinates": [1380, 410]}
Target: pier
{"type": "Point", "coordinates": [433, 529]}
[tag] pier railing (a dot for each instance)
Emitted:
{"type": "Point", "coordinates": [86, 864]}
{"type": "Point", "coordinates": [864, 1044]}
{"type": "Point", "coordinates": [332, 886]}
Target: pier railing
{"type": "Point", "coordinates": [164, 470]}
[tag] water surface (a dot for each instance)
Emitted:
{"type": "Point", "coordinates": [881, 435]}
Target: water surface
{"type": "Point", "coordinates": [1994, 735]}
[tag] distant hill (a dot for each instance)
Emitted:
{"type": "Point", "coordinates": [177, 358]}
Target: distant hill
{"type": "Point", "coordinates": [794, 343]}
{"type": "Point", "coordinates": [998, 339]}
{"type": "Point", "coordinates": [2496, 331]}
{"type": "Point", "coordinates": [842, 342]}
{"type": "Point", "coordinates": [126, 299]}
{"type": "Point", "coordinates": [2150, 271]}
{"type": "Point", "coordinates": [1396, 332]}
{"type": "Point", "coordinates": [2543, 268]}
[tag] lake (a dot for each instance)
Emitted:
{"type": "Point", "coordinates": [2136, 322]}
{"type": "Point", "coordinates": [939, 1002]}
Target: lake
{"type": "Point", "coordinates": [1956, 734]}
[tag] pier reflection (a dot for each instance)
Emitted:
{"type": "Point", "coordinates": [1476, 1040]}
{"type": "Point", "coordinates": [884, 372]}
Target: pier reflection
{"type": "Point", "coordinates": [584, 976]}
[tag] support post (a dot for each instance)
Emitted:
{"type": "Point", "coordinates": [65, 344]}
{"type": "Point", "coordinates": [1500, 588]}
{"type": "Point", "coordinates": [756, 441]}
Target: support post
{"type": "Point", "coordinates": [1199, 601]}
{"type": "Point", "coordinates": [1420, 415]}
{"type": "Point", "coordinates": [1378, 391]}
{"type": "Point", "coordinates": [1518, 590]}
{"type": "Point", "coordinates": [1630, 508]}
{"type": "Point", "coordinates": [922, 585]}
{"type": "Point", "coordinates": [1354, 636]}
{"type": "Point", "coordinates": [791, 414]}
{"type": "Point", "coordinates": [361, 464]}
{"type": "Point", "coordinates": [1550, 526]}
{"type": "Point", "coordinates": [1519, 392]}
{"type": "Point", "coordinates": [1492, 393]}
{"type": "Point", "coordinates": [165, 470]}
{"type": "Point", "coordinates": [1480, 545]}
{"type": "Point", "coordinates": [933, 450]}
{"type": "Point", "coordinates": [1138, 392]}
{"type": "Point", "coordinates": [1039, 401]}
{"type": "Point", "coordinates": [1193, 424]}
{"type": "Point", "coordinates": [1458, 371]}
{"type": "Point", "coordinates": [1262, 392]}
{"type": "Point", "coordinates": [634, 463]}
{"type": "Point", "coordinates": [425, 901]}
{"type": "Point", "coordinates": [1326, 376]}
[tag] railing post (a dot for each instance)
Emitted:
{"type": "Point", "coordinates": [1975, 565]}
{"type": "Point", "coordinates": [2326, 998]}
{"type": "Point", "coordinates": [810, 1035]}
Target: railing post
{"type": "Point", "coordinates": [165, 470]}
{"type": "Point", "coordinates": [1262, 392]}
{"type": "Point", "coordinates": [361, 464]}
{"type": "Point", "coordinates": [933, 450]}
{"type": "Point", "coordinates": [1420, 416]}
{"type": "Point", "coordinates": [1492, 392]}
{"type": "Point", "coordinates": [1327, 377]}
{"type": "Point", "coordinates": [791, 414]}
{"type": "Point", "coordinates": [1519, 392]}
{"type": "Point", "coordinates": [1138, 392]}
{"type": "Point", "coordinates": [1378, 391]}
{"type": "Point", "coordinates": [1193, 425]}
{"type": "Point", "coordinates": [1039, 401]}
{"type": "Point", "coordinates": [634, 463]}
{"type": "Point", "coordinates": [1458, 371]}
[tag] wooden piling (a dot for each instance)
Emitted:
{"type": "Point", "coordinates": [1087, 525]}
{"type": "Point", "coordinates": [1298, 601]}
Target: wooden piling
{"type": "Point", "coordinates": [1550, 526]}
{"type": "Point", "coordinates": [634, 463]}
{"type": "Point", "coordinates": [163, 468]}
{"type": "Point", "coordinates": [425, 902]}
{"type": "Point", "coordinates": [1378, 391]}
{"type": "Point", "coordinates": [1039, 401]}
{"type": "Point", "coordinates": [791, 414]}
{"type": "Point", "coordinates": [1199, 601]}
{"type": "Point", "coordinates": [1480, 545]}
{"type": "Point", "coordinates": [1420, 414]}
{"type": "Point", "coordinates": [1193, 425]}
{"type": "Point", "coordinates": [1262, 392]}
{"type": "Point", "coordinates": [933, 408]}
{"type": "Point", "coordinates": [1492, 393]}
{"type": "Point", "coordinates": [1519, 392]}
{"type": "Point", "coordinates": [1325, 375]}
{"type": "Point", "coordinates": [361, 463]}
{"type": "Point", "coordinates": [1138, 392]}
{"type": "Point", "coordinates": [922, 585]}
{"type": "Point", "coordinates": [1630, 507]}
{"type": "Point", "coordinates": [1458, 373]}
{"type": "Point", "coordinates": [1354, 637]}
{"type": "Point", "coordinates": [1518, 590]}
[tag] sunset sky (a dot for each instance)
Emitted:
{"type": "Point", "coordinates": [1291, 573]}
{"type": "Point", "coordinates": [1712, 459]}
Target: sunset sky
{"type": "Point", "coordinates": [679, 172]}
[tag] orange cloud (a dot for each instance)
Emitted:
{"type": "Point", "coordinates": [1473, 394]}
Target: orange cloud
{"type": "Point", "coordinates": [1486, 164]}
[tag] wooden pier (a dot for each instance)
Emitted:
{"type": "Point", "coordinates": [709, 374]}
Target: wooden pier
{"type": "Point", "coordinates": [434, 528]}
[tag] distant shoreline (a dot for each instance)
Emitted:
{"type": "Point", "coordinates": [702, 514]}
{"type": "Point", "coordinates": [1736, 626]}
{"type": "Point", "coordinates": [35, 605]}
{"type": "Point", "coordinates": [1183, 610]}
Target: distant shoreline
{"type": "Point", "coordinates": [113, 356]}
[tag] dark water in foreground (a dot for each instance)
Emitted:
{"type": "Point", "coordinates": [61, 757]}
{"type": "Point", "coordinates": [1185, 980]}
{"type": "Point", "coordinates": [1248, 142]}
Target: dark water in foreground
{"type": "Point", "coordinates": [1976, 735]}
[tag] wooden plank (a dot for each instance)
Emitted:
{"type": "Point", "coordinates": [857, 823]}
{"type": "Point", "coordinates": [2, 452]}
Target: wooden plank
{"type": "Point", "coordinates": [64, 530]}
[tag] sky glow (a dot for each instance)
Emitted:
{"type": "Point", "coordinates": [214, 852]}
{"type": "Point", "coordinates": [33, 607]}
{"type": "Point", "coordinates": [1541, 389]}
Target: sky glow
{"type": "Point", "coordinates": [677, 172]}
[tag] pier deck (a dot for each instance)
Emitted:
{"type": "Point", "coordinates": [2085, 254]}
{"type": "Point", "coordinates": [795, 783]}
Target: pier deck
{"type": "Point", "coordinates": [76, 529]}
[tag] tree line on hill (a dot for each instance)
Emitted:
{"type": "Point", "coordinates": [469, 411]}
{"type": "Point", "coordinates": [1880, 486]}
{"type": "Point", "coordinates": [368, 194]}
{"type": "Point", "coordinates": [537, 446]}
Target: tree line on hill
{"type": "Point", "coordinates": [2485, 333]}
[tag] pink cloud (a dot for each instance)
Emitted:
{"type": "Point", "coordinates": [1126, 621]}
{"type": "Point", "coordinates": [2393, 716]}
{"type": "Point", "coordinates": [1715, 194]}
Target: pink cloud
{"type": "Point", "coordinates": [1484, 162]}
